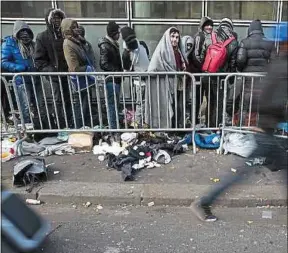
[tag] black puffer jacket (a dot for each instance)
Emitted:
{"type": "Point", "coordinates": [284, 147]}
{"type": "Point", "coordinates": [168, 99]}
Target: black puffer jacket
{"type": "Point", "coordinates": [202, 40]}
{"type": "Point", "coordinates": [47, 52]}
{"type": "Point", "coordinates": [255, 51]}
{"type": "Point", "coordinates": [110, 57]}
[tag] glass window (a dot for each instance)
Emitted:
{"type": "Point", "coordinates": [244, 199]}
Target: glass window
{"type": "Point", "coordinates": [94, 9]}
{"type": "Point", "coordinates": [151, 34]}
{"type": "Point", "coordinates": [285, 11]}
{"type": "Point", "coordinates": [247, 10]}
{"type": "Point", "coordinates": [167, 9]}
{"type": "Point", "coordinates": [24, 9]}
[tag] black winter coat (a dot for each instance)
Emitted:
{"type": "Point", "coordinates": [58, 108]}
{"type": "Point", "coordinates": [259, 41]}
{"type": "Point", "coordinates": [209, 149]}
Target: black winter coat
{"type": "Point", "coordinates": [46, 54]}
{"type": "Point", "coordinates": [110, 58]}
{"type": "Point", "coordinates": [255, 51]}
{"type": "Point", "coordinates": [202, 40]}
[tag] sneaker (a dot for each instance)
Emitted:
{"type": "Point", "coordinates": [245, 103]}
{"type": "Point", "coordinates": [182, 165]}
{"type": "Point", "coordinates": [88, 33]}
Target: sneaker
{"type": "Point", "coordinates": [203, 212]}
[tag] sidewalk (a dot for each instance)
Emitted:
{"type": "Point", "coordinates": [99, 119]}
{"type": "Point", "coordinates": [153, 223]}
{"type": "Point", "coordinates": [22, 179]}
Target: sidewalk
{"type": "Point", "coordinates": [83, 178]}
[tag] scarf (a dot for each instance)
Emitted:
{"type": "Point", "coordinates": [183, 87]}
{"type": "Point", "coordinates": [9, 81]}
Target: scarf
{"type": "Point", "coordinates": [26, 51]}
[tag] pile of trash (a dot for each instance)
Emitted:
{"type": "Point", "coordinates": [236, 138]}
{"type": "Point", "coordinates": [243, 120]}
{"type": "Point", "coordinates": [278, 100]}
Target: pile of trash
{"type": "Point", "coordinates": [134, 152]}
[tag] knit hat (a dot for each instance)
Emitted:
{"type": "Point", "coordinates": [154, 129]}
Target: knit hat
{"type": "Point", "coordinates": [129, 36]}
{"type": "Point", "coordinates": [255, 25]}
{"type": "Point", "coordinates": [226, 22]}
{"type": "Point", "coordinates": [112, 29]}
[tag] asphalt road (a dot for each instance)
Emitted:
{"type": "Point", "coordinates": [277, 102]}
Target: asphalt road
{"type": "Point", "coordinates": [125, 229]}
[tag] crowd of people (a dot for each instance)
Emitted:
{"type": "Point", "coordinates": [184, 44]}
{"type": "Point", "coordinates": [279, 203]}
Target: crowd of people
{"type": "Point", "coordinates": [62, 47]}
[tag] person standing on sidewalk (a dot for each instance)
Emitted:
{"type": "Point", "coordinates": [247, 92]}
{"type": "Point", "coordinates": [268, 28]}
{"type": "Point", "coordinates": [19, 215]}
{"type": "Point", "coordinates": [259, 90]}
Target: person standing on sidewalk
{"type": "Point", "coordinates": [160, 93]}
{"type": "Point", "coordinates": [49, 57]}
{"type": "Point", "coordinates": [135, 58]}
{"type": "Point", "coordinates": [202, 40]}
{"type": "Point", "coordinates": [272, 110]}
{"type": "Point", "coordinates": [254, 55]}
{"type": "Point", "coordinates": [110, 61]}
{"type": "Point", "coordinates": [17, 56]}
{"type": "Point", "coordinates": [79, 59]}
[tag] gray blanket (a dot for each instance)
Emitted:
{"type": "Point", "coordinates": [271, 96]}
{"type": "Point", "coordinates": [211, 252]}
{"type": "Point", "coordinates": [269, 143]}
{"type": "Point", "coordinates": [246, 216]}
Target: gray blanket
{"type": "Point", "coordinates": [162, 89]}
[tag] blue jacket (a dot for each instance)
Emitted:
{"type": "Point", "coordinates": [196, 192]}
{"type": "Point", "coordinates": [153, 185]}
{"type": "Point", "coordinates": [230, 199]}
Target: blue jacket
{"type": "Point", "coordinates": [11, 58]}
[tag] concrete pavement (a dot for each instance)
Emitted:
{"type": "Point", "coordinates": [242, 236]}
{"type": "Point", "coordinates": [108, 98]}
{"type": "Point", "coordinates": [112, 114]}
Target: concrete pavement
{"type": "Point", "coordinates": [126, 229]}
{"type": "Point", "coordinates": [83, 178]}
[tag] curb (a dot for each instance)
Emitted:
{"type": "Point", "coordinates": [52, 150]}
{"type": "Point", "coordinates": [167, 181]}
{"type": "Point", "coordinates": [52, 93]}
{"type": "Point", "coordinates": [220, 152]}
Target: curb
{"type": "Point", "coordinates": [113, 194]}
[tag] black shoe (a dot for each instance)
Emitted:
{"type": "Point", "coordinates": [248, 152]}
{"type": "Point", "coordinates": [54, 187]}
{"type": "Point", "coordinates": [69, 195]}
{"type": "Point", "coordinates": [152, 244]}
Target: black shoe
{"type": "Point", "coordinates": [203, 212]}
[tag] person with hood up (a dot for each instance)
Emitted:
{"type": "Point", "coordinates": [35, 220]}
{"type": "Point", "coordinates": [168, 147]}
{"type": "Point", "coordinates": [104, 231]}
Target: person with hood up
{"type": "Point", "coordinates": [187, 45]}
{"type": "Point", "coordinates": [254, 51]}
{"type": "Point", "coordinates": [224, 32]}
{"type": "Point", "coordinates": [160, 96]}
{"type": "Point", "coordinates": [202, 39]}
{"type": "Point", "coordinates": [135, 58]}
{"type": "Point", "coordinates": [17, 56]}
{"type": "Point", "coordinates": [49, 57]}
{"type": "Point", "coordinates": [79, 59]}
{"type": "Point", "coordinates": [254, 55]}
{"type": "Point", "coordinates": [110, 61]}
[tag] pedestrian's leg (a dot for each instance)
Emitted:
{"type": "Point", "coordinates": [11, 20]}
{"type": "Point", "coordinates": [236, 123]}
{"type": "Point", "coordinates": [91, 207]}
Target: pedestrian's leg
{"type": "Point", "coordinates": [112, 106]}
{"type": "Point", "coordinates": [24, 103]}
{"type": "Point", "coordinates": [180, 108]}
{"type": "Point", "coordinates": [138, 112]}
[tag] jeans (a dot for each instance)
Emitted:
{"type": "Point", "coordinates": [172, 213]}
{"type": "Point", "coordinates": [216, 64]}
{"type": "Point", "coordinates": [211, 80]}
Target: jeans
{"type": "Point", "coordinates": [269, 147]}
{"type": "Point", "coordinates": [111, 103]}
{"type": "Point", "coordinates": [24, 100]}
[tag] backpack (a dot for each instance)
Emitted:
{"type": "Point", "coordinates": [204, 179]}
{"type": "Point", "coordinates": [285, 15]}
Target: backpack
{"type": "Point", "coordinates": [216, 54]}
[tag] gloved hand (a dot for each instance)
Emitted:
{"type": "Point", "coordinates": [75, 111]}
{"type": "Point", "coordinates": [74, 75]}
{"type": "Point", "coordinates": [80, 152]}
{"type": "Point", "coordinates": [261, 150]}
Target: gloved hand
{"type": "Point", "coordinates": [19, 80]}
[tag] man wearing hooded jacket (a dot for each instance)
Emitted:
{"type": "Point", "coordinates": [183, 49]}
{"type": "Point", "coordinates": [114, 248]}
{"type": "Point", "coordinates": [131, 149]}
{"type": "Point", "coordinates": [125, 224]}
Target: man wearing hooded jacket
{"type": "Point", "coordinates": [49, 57]}
{"type": "Point", "coordinates": [17, 56]}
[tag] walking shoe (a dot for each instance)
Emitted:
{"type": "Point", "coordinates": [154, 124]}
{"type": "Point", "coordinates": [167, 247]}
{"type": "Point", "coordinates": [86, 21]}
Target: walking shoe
{"type": "Point", "coordinates": [203, 212]}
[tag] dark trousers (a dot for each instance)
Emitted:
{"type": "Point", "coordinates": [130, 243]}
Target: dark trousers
{"type": "Point", "coordinates": [213, 116]}
{"type": "Point", "coordinates": [269, 147]}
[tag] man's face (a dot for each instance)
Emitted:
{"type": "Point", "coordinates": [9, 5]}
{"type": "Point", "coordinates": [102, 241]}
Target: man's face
{"type": "Point", "coordinates": [57, 21]}
{"type": "Point", "coordinates": [117, 36]}
{"type": "Point", "coordinates": [24, 37]}
{"type": "Point", "coordinates": [174, 38]}
{"type": "Point", "coordinates": [208, 28]}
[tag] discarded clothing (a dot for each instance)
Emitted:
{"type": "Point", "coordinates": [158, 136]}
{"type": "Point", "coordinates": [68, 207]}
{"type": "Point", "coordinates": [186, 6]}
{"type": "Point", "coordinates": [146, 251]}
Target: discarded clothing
{"type": "Point", "coordinates": [162, 157]}
{"type": "Point", "coordinates": [239, 144]}
{"type": "Point", "coordinates": [211, 141]}
{"type": "Point", "coordinates": [59, 149]}
{"type": "Point", "coordinates": [30, 171]}
{"type": "Point", "coordinates": [28, 148]}
{"type": "Point", "coordinates": [49, 141]}
{"type": "Point", "coordinates": [129, 138]}
{"type": "Point", "coordinates": [105, 148]}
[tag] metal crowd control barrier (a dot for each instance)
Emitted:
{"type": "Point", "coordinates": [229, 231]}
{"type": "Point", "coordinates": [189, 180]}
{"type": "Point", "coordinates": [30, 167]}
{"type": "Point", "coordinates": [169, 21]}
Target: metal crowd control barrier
{"type": "Point", "coordinates": [241, 104]}
{"type": "Point", "coordinates": [158, 101]}
{"type": "Point", "coordinates": [9, 124]}
{"type": "Point", "coordinates": [134, 102]}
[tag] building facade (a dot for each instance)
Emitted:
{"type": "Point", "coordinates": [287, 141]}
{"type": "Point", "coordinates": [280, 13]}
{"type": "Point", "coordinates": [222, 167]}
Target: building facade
{"type": "Point", "coordinates": [149, 18]}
